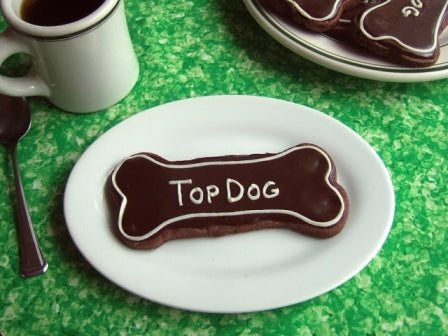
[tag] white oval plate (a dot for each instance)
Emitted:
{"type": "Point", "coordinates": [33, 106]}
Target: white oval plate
{"type": "Point", "coordinates": [239, 273]}
{"type": "Point", "coordinates": [344, 57]}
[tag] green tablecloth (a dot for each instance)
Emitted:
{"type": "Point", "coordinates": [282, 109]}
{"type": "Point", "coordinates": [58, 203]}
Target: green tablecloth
{"type": "Point", "coordinates": [197, 48]}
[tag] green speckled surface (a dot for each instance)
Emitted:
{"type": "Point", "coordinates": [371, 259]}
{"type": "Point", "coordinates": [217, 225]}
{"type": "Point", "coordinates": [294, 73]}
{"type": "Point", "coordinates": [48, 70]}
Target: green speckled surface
{"type": "Point", "coordinates": [196, 48]}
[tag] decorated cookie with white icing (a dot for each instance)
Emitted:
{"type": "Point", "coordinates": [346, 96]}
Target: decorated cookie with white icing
{"type": "Point", "coordinates": [154, 200]}
{"type": "Point", "coordinates": [405, 31]}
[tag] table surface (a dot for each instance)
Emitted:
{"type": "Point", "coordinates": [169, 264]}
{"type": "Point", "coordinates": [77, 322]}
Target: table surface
{"type": "Point", "coordinates": [200, 48]}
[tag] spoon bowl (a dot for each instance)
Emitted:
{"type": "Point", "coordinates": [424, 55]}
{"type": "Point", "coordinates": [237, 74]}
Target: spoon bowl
{"type": "Point", "coordinates": [15, 121]}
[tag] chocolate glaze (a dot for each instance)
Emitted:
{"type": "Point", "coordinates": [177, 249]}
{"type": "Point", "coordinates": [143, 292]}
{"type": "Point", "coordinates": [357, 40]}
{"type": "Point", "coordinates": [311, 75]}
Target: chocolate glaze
{"type": "Point", "coordinates": [316, 15]}
{"type": "Point", "coordinates": [314, 8]}
{"type": "Point", "coordinates": [156, 194]}
{"type": "Point", "coordinates": [344, 30]}
{"type": "Point", "coordinates": [318, 8]}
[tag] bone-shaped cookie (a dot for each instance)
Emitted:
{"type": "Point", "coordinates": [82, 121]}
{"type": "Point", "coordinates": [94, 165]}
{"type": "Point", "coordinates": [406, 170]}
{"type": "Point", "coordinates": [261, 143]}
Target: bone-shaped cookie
{"type": "Point", "coordinates": [409, 27]}
{"type": "Point", "coordinates": [158, 200]}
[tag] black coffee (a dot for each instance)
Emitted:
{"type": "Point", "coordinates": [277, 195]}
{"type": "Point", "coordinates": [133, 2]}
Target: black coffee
{"type": "Point", "coordinates": [56, 12]}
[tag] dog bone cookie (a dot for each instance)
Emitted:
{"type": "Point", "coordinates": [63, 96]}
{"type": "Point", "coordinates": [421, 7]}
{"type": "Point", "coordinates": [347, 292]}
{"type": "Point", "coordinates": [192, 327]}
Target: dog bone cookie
{"type": "Point", "coordinates": [406, 31]}
{"type": "Point", "coordinates": [154, 200]}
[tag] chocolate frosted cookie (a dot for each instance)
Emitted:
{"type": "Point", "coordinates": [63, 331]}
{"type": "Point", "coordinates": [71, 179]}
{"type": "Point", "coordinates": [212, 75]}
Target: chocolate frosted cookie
{"type": "Point", "coordinates": [405, 31]}
{"type": "Point", "coordinates": [154, 200]}
{"type": "Point", "coordinates": [316, 15]}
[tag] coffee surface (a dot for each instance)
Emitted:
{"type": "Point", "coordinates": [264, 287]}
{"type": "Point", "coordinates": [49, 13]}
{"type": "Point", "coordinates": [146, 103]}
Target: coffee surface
{"type": "Point", "coordinates": [56, 12]}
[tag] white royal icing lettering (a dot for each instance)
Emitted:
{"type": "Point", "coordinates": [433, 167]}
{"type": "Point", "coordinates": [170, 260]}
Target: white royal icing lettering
{"type": "Point", "coordinates": [408, 10]}
{"type": "Point", "coordinates": [237, 197]}
{"type": "Point", "coordinates": [253, 193]}
{"type": "Point", "coordinates": [200, 195]}
{"type": "Point", "coordinates": [179, 189]}
{"type": "Point", "coordinates": [273, 193]}
{"type": "Point", "coordinates": [196, 194]}
{"type": "Point", "coordinates": [413, 9]}
{"type": "Point", "coordinates": [212, 191]}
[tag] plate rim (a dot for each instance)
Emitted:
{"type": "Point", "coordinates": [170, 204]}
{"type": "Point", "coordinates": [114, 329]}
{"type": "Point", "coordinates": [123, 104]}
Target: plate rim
{"type": "Point", "coordinates": [216, 308]}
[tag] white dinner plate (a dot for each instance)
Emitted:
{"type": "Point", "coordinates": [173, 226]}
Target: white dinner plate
{"type": "Point", "coordinates": [244, 272]}
{"type": "Point", "coordinates": [344, 57]}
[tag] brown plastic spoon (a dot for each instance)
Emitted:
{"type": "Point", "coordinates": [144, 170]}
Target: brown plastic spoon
{"type": "Point", "coordinates": [15, 121]}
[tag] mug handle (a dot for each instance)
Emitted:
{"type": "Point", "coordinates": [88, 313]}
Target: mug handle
{"type": "Point", "coordinates": [28, 85]}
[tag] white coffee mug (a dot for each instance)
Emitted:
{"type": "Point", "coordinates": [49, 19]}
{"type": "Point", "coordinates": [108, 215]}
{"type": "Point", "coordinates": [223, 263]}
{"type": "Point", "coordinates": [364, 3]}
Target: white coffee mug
{"type": "Point", "coordinates": [83, 66]}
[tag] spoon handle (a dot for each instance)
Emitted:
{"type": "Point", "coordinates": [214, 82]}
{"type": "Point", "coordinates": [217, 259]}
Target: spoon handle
{"type": "Point", "coordinates": [32, 261]}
